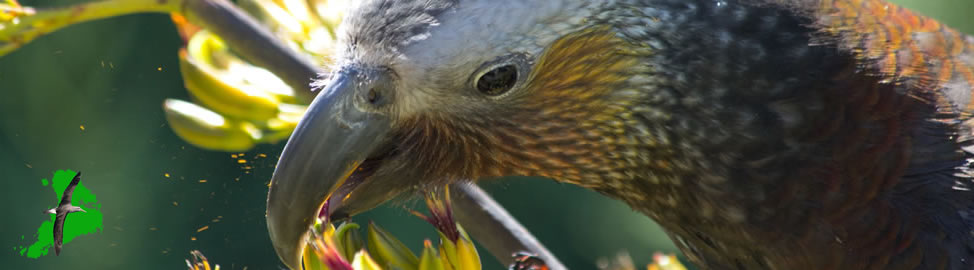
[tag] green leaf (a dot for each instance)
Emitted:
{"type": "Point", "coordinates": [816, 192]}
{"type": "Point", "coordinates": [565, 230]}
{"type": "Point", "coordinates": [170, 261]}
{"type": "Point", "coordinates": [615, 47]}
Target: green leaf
{"type": "Point", "coordinates": [388, 250]}
{"type": "Point", "coordinates": [348, 240]}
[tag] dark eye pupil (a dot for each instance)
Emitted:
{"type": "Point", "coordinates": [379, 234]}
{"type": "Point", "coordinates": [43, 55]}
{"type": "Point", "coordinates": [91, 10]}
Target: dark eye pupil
{"type": "Point", "coordinates": [498, 80]}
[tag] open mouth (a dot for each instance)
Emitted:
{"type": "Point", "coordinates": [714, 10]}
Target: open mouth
{"type": "Point", "coordinates": [359, 175]}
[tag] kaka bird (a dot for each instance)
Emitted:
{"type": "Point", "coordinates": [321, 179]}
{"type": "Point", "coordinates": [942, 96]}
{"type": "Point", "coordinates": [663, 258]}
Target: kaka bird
{"type": "Point", "coordinates": [759, 134]}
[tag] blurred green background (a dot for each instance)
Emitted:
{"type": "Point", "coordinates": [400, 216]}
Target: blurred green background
{"type": "Point", "coordinates": [112, 75]}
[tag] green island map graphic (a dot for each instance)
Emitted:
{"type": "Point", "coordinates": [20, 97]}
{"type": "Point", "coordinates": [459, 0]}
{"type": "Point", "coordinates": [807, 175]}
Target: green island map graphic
{"type": "Point", "coordinates": [75, 225]}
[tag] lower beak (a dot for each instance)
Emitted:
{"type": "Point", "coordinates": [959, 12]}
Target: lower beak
{"type": "Point", "coordinates": [337, 133]}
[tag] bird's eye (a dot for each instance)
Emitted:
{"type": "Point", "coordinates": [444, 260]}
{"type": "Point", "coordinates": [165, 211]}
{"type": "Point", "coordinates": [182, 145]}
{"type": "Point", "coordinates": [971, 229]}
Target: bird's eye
{"type": "Point", "coordinates": [498, 80]}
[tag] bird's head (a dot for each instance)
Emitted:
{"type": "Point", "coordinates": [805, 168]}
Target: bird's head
{"type": "Point", "coordinates": [427, 92]}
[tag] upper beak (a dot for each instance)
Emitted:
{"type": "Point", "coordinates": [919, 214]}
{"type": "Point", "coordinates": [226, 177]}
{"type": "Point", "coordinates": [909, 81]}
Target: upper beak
{"type": "Point", "coordinates": [340, 129]}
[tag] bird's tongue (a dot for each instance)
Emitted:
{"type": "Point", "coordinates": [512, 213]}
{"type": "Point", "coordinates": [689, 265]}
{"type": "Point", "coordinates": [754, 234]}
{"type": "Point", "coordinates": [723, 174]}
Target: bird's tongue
{"type": "Point", "coordinates": [354, 179]}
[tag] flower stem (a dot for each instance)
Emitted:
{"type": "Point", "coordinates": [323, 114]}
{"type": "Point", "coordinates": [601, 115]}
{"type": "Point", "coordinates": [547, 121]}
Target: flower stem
{"type": "Point", "coordinates": [29, 23]}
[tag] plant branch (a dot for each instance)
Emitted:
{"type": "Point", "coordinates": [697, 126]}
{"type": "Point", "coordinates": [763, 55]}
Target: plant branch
{"type": "Point", "coordinates": [494, 228]}
{"type": "Point", "coordinates": [247, 37]}
{"type": "Point", "coordinates": [21, 25]}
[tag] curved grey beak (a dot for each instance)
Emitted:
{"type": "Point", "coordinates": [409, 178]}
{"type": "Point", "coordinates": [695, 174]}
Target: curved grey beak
{"type": "Point", "coordinates": [337, 133]}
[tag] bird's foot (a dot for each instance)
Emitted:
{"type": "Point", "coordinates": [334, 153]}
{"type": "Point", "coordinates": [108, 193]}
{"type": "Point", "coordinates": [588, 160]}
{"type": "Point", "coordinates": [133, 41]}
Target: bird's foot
{"type": "Point", "coordinates": [527, 261]}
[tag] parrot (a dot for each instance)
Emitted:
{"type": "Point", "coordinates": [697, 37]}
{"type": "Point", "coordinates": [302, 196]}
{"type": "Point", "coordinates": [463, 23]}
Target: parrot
{"type": "Point", "coordinates": [759, 134]}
